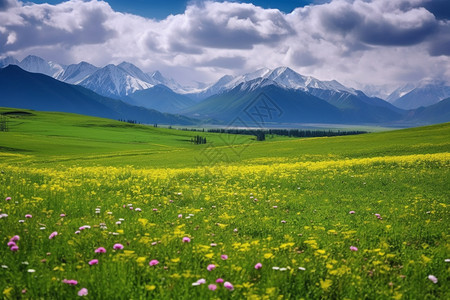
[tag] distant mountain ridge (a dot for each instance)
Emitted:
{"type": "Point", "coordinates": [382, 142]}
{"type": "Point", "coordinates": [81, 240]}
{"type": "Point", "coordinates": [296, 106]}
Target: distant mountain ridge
{"type": "Point", "coordinates": [45, 93]}
{"type": "Point", "coordinates": [128, 83]}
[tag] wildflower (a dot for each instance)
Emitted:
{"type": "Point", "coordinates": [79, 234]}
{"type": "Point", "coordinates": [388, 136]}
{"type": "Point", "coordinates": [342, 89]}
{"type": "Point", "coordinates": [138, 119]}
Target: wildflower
{"type": "Point", "coordinates": [14, 248]}
{"type": "Point", "coordinates": [118, 247]}
{"type": "Point", "coordinates": [186, 240]}
{"type": "Point", "coordinates": [11, 243]}
{"type": "Point", "coordinates": [52, 235]}
{"type": "Point", "coordinates": [153, 262]}
{"type": "Point", "coordinates": [109, 212]}
{"type": "Point", "coordinates": [118, 223]}
{"type": "Point", "coordinates": [283, 221]}
{"type": "Point", "coordinates": [210, 267]}
{"type": "Point", "coordinates": [301, 269]}
{"type": "Point", "coordinates": [235, 230]}
{"type": "Point", "coordinates": [155, 209]}
{"type": "Point", "coordinates": [274, 206]}
{"type": "Point", "coordinates": [28, 216]}
{"type": "Point", "coordinates": [83, 292]}
{"type": "Point", "coordinates": [3, 216]}
{"type": "Point", "coordinates": [7, 198]}
{"type": "Point", "coordinates": [180, 216]}
{"type": "Point", "coordinates": [213, 245]}
{"type": "Point", "coordinates": [15, 238]}
{"type": "Point", "coordinates": [224, 256]}
{"type": "Point", "coordinates": [31, 270]}
{"type": "Point", "coordinates": [77, 232]}
{"type": "Point", "coordinates": [353, 248]}
{"type": "Point", "coordinates": [21, 221]}
{"type": "Point", "coordinates": [70, 281]}
{"type": "Point", "coordinates": [138, 209]}
{"type": "Point", "coordinates": [200, 281]}
{"type": "Point", "coordinates": [219, 280]}
{"type": "Point", "coordinates": [228, 285]}
{"type": "Point", "coordinates": [93, 262]}
{"type": "Point", "coordinates": [351, 212]}
{"type": "Point", "coordinates": [275, 268]}
{"type": "Point", "coordinates": [24, 291]}
{"type": "Point", "coordinates": [258, 266]}
{"type": "Point", "coordinates": [62, 215]}
{"type": "Point", "coordinates": [433, 278]}
{"type": "Point", "coordinates": [212, 287]}
{"type": "Point", "coordinates": [378, 216]}
{"type": "Point", "coordinates": [100, 250]}
{"type": "Point", "coordinates": [447, 260]}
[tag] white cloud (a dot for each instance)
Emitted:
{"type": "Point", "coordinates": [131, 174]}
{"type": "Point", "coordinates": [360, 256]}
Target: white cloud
{"type": "Point", "coordinates": [348, 40]}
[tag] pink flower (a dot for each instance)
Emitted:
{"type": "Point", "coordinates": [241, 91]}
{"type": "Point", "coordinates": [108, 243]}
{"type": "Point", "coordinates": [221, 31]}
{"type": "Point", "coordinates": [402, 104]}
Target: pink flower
{"type": "Point", "coordinates": [283, 221]}
{"type": "Point", "coordinates": [77, 232]}
{"type": "Point", "coordinates": [7, 198]}
{"type": "Point", "coordinates": [212, 287]}
{"type": "Point", "coordinates": [28, 216]}
{"type": "Point", "coordinates": [210, 267]}
{"type": "Point", "coordinates": [219, 280]}
{"type": "Point", "coordinates": [14, 248]}
{"type": "Point", "coordinates": [433, 278]}
{"type": "Point", "coordinates": [186, 240]}
{"type": "Point", "coordinates": [155, 209]}
{"type": "Point", "coordinates": [258, 266]}
{"type": "Point", "coordinates": [52, 235]}
{"type": "Point", "coordinates": [224, 256]}
{"type": "Point", "coordinates": [228, 285]}
{"type": "Point", "coordinates": [93, 262]}
{"type": "Point", "coordinates": [100, 250]}
{"type": "Point", "coordinates": [62, 215]}
{"type": "Point", "coordinates": [11, 243]}
{"type": "Point", "coordinates": [351, 212]}
{"type": "Point", "coordinates": [15, 238]}
{"type": "Point", "coordinates": [83, 292]}
{"type": "Point", "coordinates": [180, 216]}
{"type": "Point", "coordinates": [378, 216]}
{"type": "Point", "coordinates": [153, 262]}
{"type": "Point", "coordinates": [70, 281]}
{"type": "Point", "coordinates": [118, 247]}
{"type": "Point", "coordinates": [353, 248]}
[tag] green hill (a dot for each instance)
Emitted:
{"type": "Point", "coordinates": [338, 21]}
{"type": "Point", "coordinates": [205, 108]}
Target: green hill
{"type": "Point", "coordinates": [49, 137]}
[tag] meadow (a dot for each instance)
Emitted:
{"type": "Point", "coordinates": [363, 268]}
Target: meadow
{"type": "Point", "coordinates": [108, 210]}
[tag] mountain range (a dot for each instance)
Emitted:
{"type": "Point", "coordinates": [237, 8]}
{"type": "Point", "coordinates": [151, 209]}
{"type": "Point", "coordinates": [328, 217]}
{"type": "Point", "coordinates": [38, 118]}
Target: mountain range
{"type": "Point", "coordinates": [45, 93]}
{"type": "Point", "coordinates": [300, 98]}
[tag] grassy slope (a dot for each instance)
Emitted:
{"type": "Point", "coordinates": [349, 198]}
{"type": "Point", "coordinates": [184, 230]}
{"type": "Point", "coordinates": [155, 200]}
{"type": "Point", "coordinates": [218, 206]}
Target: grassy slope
{"type": "Point", "coordinates": [66, 138]}
{"type": "Point", "coordinates": [396, 254]}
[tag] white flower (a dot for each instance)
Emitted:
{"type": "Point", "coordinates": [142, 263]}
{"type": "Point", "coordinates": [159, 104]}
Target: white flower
{"type": "Point", "coordinates": [433, 278]}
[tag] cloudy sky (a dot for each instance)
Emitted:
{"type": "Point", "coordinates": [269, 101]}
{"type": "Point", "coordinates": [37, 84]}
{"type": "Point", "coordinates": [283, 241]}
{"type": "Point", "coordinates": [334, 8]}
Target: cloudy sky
{"type": "Point", "coordinates": [357, 42]}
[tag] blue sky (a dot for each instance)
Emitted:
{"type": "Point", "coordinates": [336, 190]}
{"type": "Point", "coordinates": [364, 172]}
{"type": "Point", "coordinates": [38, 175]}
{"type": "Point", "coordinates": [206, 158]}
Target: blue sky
{"type": "Point", "coordinates": [159, 9]}
{"type": "Point", "coordinates": [357, 42]}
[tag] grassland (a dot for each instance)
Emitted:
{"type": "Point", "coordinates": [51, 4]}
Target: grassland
{"type": "Point", "coordinates": [284, 203]}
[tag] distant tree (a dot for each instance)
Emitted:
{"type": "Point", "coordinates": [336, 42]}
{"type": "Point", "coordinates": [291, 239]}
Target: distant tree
{"type": "Point", "coordinates": [3, 124]}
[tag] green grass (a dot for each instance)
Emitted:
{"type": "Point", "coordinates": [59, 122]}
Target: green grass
{"type": "Point", "coordinates": [284, 203]}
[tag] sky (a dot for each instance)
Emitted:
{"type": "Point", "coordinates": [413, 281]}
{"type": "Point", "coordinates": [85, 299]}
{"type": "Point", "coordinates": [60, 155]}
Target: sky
{"type": "Point", "coordinates": [360, 43]}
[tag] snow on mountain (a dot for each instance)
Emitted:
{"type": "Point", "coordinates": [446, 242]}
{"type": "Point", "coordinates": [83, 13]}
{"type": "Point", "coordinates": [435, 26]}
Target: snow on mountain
{"type": "Point", "coordinates": [9, 60]}
{"type": "Point", "coordinates": [35, 64]}
{"type": "Point", "coordinates": [116, 81]}
{"type": "Point", "coordinates": [76, 73]}
{"type": "Point", "coordinates": [157, 78]}
{"type": "Point", "coordinates": [422, 95]}
{"type": "Point", "coordinates": [401, 91]}
{"type": "Point", "coordinates": [282, 76]}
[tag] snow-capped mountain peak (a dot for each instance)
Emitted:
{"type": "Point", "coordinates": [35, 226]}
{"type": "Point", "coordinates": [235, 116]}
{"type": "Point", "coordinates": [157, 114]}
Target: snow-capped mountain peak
{"type": "Point", "coordinates": [35, 64]}
{"type": "Point", "coordinates": [76, 73]}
